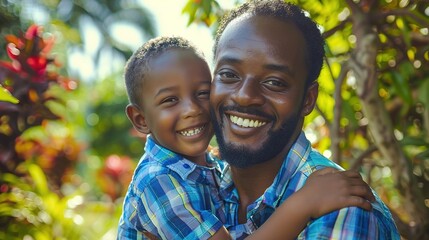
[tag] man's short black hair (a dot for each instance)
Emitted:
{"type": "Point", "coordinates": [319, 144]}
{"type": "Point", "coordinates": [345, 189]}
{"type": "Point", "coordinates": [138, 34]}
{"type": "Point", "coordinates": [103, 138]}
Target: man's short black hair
{"type": "Point", "coordinates": [285, 12]}
{"type": "Point", "coordinates": [138, 65]}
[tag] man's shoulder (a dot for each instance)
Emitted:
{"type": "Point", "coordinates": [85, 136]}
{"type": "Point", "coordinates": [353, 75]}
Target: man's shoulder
{"type": "Point", "coordinates": [349, 222]}
{"type": "Point", "coordinates": [352, 223]}
{"type": "Point", "coordinates": [314, 161]}
{"type": "Point", "coordinates": [317, 160]}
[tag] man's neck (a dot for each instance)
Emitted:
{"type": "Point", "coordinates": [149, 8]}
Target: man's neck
{"type": "Point", "coordinates": [252, 182]}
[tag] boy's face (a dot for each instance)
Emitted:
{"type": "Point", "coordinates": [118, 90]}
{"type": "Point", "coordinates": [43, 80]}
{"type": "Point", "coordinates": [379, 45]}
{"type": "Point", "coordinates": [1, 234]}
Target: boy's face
{"type": "Point", "coordinates": [175, 104]}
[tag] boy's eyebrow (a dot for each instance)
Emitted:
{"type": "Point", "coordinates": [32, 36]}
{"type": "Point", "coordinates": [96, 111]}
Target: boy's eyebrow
{"type": "Point", "coordinates": [162, 90]}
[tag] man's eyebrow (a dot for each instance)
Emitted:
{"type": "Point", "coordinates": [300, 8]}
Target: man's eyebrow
{"type": "Point", "coordinates": [229, 59]}
{"type": "Point", "coordinates": [280, 68]}
{"type": "Point", "coordinates": [276, 67]}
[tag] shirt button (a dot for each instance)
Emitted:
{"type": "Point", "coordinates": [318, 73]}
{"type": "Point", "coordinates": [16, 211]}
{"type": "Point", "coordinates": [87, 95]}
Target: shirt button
{"type": "Point", "coordinates": [186, 166]}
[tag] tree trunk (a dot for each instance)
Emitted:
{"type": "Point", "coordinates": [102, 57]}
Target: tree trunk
{"type": "Point", "coordinates": [364, 68]}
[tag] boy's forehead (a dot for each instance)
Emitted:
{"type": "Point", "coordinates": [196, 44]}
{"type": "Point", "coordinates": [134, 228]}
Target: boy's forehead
{"type": "Point", "coordinates": [171, 57]}
{"type": "Point", "coordinates": [174, 60]}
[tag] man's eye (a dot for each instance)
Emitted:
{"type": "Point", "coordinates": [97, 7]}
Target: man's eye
{"type": "Point", "coordinates": [275, 83]}
{"type": "Point", "coordinates": [227, 75]}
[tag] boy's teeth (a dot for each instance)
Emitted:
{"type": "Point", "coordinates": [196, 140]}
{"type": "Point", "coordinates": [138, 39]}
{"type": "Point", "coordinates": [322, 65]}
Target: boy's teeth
{"type": "Point", "coordinates": [191, 132]}
{"type": "Point", "coordinates": [245, 122]}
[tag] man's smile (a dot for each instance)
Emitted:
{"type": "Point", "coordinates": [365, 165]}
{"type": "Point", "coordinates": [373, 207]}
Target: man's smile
{"type": "Point", "coordinates": [246, 122]}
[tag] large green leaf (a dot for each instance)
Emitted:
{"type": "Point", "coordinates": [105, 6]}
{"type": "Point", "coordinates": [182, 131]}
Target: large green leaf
{"type": "Point", "coordinates": [6, 96]}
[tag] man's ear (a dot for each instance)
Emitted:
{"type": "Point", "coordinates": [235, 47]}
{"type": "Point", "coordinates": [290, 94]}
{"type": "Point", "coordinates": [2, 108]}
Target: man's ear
{"type": "Point", "coordinates": [310, 98]}
{"type": "Point", "coordinates": [137, 118]}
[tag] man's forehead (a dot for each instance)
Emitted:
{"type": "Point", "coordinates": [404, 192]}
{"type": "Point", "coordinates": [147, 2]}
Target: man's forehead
{"type": "Point", "coordinates": [263, 32]}
{"type": "Point", "coordinates": [247, 25]}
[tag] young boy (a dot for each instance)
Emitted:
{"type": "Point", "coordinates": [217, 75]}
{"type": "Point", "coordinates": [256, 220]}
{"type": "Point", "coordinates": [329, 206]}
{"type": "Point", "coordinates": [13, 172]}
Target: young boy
{"type": "Point", "coordinates": [174, 191]}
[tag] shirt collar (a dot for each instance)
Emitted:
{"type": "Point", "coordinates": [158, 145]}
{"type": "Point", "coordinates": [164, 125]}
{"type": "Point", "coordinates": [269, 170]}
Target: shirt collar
{"type": "Point", "coordinates": [297, 156]}
{"type": "Point", "coordinates": [177, 162]}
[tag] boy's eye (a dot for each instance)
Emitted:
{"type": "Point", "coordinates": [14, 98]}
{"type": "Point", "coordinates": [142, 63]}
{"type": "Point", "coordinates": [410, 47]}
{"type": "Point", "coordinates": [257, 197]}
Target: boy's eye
{"type": "Point", "coordinates": [169, 100]}
{"type": "Point", "coordinates": [204, 94]}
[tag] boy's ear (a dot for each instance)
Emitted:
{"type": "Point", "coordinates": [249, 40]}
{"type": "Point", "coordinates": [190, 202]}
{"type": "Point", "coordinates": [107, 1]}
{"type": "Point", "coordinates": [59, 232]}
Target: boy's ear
{"type": "Point", "coordinates": [310, 98]}
{"type": "Point", "coordinates": [137, 119]}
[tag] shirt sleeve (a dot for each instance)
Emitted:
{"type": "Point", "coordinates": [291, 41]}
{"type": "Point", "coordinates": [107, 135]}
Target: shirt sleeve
{"type": "Point", "coordinates": [175, 210]}
{"type": "Point", "coordinates": [351, 223]}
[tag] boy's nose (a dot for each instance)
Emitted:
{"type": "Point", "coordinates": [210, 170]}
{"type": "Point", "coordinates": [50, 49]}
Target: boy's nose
{"type": "Point", "coordinates": [191, 108]}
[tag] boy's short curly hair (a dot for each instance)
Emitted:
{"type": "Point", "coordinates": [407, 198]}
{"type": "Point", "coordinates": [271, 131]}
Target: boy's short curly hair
{"type": "Point", "coordinates": [289, 13]}
{"type": "Point", "coordinates": [137, 65]}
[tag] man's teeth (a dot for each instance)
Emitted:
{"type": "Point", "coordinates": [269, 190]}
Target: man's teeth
{"type": "Point", "coordinates": [191, 132]}
{"type": "Point", "coordinates": [244, 122]}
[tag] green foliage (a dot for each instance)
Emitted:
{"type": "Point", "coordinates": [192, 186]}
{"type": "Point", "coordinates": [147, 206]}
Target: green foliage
{"type": "Point", "coordinates": [42, 197]}
{"type": "Point", "coordinates": [32, 210]}
{"type": "Point", "coordinates": [108, 123]}
{"type": "Point", "coordinates": [6, 96]}
{"type": "Point", "coordinates": [202, 11]}
{"type": "Point", "coordinates": [29, 209]}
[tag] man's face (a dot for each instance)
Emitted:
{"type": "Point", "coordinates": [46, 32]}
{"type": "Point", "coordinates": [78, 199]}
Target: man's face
{"type": "Point", "coordinates": [258, 98]}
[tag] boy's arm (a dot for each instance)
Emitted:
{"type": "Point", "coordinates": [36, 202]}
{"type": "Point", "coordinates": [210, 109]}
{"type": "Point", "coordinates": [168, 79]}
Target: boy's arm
{"type": "Point", "coordinates": [326, 190]}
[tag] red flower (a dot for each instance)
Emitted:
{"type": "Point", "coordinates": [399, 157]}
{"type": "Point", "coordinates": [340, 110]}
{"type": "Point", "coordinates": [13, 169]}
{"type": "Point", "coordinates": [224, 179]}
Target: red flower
{"type": "Point", "coordinates": [33, 31]}
{"type": "Point", "coordinates": [38, 65]}
{"type": "Point", "coordinates": [12, 51]}
{"type": "Point", "coordinates": [115, 165]}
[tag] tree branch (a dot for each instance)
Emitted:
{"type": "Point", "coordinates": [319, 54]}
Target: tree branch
{"type": "Point", "coordinates": [407, 13]}
{"type": "Point", "coordinates": [323, 115]}
{"type": "Point", "coordinates": [336, 123]}
{"type": "Point", "coordinates": [333, 30]}
{"type": "Point", "coordinates": [353, 6]}
{"type": "Point", "coordinates": [359, 160]}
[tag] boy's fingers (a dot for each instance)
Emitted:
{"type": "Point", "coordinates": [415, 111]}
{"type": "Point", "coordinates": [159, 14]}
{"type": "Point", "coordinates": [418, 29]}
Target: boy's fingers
{"type": "Point", "coordinates": [362, 191]}
{"type": "Point", "coordinates": [359, 202]}
{"type": "Point", "coordinates": [325, 171]}
{"type": "Point", "coordinates": [352, 174]}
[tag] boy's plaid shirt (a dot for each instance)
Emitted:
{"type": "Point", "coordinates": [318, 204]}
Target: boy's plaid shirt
{"type": "Point", "coordinates": [171, 197]}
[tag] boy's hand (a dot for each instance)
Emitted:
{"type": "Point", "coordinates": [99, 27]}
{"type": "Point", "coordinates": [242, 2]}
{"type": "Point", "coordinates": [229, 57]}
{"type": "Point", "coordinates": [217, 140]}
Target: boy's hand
{"type": "Point", "coordinates": [336, 189]}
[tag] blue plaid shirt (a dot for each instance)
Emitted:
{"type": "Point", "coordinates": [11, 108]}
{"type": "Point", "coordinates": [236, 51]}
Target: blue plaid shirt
{"type": "Point", "coordinates": [171, 198]}
{"type": "Point", "coordinates": [302, 160]}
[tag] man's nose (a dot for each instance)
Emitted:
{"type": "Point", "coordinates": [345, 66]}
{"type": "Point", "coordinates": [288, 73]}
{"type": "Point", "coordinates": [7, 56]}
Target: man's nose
{"type": "Point", "coordinates": [249, 93]}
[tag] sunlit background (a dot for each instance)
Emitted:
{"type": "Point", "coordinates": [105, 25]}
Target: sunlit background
{"type": "Point", "coordinates": [67, 150]}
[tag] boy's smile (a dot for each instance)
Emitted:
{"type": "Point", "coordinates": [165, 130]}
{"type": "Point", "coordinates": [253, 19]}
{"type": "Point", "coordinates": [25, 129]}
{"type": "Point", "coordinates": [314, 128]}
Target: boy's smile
{"type": "Point", "coordinates": [175, 103]}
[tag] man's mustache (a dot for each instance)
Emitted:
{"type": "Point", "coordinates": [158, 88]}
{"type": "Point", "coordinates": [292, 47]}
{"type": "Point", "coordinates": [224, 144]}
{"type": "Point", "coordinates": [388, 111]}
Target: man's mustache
{"type": "Point", "coordinates": [247, 110]}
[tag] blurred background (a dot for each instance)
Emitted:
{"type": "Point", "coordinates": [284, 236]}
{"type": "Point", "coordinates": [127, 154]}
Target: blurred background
{"type": "Point", "coordinates": [67, 150]}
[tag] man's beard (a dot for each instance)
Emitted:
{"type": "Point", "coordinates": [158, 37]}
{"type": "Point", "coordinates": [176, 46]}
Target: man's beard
{"type": "Point", "coordinates": [239, 156]}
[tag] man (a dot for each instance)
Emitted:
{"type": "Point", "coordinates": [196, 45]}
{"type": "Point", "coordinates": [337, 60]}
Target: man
{"type": "Point", "coordinates": [267, 57]}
